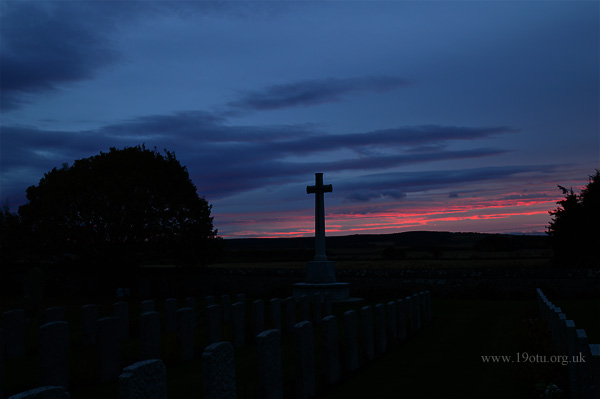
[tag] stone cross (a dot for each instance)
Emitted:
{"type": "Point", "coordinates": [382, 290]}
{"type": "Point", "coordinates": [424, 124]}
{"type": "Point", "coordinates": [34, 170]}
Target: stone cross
{"type": "Point", "coordinates": [319, 189]}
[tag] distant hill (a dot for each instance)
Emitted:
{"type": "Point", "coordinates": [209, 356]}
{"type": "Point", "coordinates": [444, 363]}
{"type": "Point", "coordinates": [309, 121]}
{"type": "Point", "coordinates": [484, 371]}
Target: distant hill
{"type": "Point", "coordinates": [382, 244]}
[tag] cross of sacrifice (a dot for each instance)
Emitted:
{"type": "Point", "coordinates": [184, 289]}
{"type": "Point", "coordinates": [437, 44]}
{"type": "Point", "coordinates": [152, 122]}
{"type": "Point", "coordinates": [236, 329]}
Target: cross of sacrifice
{"type": "Point", "coordinates": [319, 189]}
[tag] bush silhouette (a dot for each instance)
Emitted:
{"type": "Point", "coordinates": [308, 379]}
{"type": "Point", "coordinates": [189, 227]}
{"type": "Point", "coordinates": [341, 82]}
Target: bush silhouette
{"type": "Point", "coordinates": [119, 209]}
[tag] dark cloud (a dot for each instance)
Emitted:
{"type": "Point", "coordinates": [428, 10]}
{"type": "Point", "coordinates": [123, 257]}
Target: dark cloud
{"type": "Point", "coordinates": [224, 160]}
{"type": "Point", "coordinates": [368, 195]}
{"type": "Point", "coordinates": [525, 196]}
{"type": "Point", "coordinates": [442, 179]}
{"type": "Point", "coordinates": [313, 92]}
{"type": "Point", "coordinates": [46, 44]}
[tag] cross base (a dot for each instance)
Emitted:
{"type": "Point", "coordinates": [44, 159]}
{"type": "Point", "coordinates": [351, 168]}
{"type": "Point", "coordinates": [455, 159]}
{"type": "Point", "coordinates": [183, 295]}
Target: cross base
{"type": "Point", "coordinates": [337, 291]}
{"type": "Point", "coordinates": [320, 271]}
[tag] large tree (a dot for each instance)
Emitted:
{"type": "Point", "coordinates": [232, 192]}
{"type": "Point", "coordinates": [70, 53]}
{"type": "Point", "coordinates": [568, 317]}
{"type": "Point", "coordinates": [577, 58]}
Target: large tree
{"type": "Point", "coordinates": [575, 226]}
{"type": "Point", "coordinates": [119, 208]}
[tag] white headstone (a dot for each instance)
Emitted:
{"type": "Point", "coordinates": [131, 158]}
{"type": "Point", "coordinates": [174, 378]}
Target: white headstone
{"type": "Point", "coordinates": [401, 320]}
{"type": "Point", "coordinates": [258, 315]}
{"type": "Point", "coordinates": [366, 321]}
{"type": "Point", "coordinates": [89, 316]}
{"type": "Point", "coordinates": [304, 355]}
{"type": "Point", "coordinates": [380, 338]}
{"type": "Point", "coordinates": [331, 350]}
{"type": "Point", "coordinates": [305, 308]}
{"type": "Point", "coordinates": [290, 314]}
{"type": "Point", "coordinates": [109, 348]}
{"type": "Point", "coordinates": [226, 307]}
{"type": "Point", "coordinates": [43, 393]}
{"type": "Point", "coordinates": [185, 333]}
{"type": "Point", "coordinates": [121, 310]}
{"type": "Point", "coordinates": [170, 315]}
{"type": "Point", "coordinates": [55, 313]}
{"type": "Point", "coordinates": [238, 316]}
{"type": "Point", "coordinates": [276, 313]}
{"type": "Point", "coordinates": [150, 336]}
{"type": "Point", "coordinates": [14, 331]}
{"type": "Point", "coordinates": [218, 371]}
{"type": "Point", "coordinates": [351, 341]}
{"type": "Point", "coordinates": [392, 323]}
{"type": "Point", "coordinates": [270, 383]}
{"type": "Point", "coordinates": [213, 324]}
{"type": "Point", "coordinates": [54, 354]}
{"type": "Point", "coordinates": [147, 306]}
{"type": "Point", "coordinates": [146, 379]}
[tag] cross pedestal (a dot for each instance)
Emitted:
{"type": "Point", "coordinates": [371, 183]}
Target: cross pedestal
{"type": "Point", "coordinates": [320, 273]}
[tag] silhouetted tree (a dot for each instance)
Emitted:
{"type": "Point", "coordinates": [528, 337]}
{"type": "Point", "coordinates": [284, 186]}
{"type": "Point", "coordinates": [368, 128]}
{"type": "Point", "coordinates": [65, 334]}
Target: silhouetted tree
{"type": "Point", "coordinates": [575, 226]}
{"type": "Point", "coordinates": [10, 235]}
{"type": "Point", "coordinates": [119, 209]}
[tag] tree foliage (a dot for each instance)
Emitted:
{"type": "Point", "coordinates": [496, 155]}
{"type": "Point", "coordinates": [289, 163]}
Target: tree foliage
{"type": "Point", "coordinates": [120, 207]}
{"type": "Point", "coordinates": [575, 226]}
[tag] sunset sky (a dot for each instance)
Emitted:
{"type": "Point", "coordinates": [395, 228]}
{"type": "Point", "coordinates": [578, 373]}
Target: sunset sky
{"type": "Point", "coordinates": [423, 115]}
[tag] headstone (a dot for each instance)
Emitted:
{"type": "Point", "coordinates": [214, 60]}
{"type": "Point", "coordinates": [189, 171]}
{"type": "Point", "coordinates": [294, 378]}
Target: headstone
{"type": "Point", "coordinates": [317, 300]}
{"type": "Point", "coordinates": [258, 315]}
{"type": "Point", "coordinates": [218, 371]}
{"type": "Point", "coordinates": [594, 387]}
{"type": "Point", "coordinates": [185, 333]}
{"type": "Point", "coordinates": [55, 313]}
{"type": "Point", "coordinates": [410, 321]}
{"type": "Point", "coordinates": [213, 324]}
{"type": "Point", "coordinates": [109, 348]}
{"type": "Point", "coordinates": [350, 341]}
{"type": "Point", "coordinates": [331, 350]}
{"type": "Point", "coordinates": [571, 344]}
{"type": "Point", "coordinates": [392, 323]}
{"type": "Point", "coordinates": [366, 321]}
{"type": "Point", "coordinates": [270, 383]}
{"type": "Point", "coordinates": [14, 331]}
{"type": "Point", "coordinates": [327, 301]}
{"type": "Point", "coordinates": [238, 316]}
{"type": "Point", "coordinates": [190, 302]}
{"type": "Point", "coordinates": [305, 308]}
{"type": "Point", "coordinates": [428, 305]}
{"type": "Point", "coordinates": [240, 298]}
{"type": "Point", "coordinates": [209, 301]}
{"type": "Point", "coordinates": [43, 393]}
{"type": "Point", "coordinates": [276, 313]}
{"type": "Point", "coordinates": [89, 316]}
{"type": "Point", "coordinates": [380, 338]}
{"type": "Point", "coordinates": [146, 379]}
{"type": "Point", "coordinates": [147, 306]}
{"type": "Point", "coordinates": [150, 336]}
{"type": "Point", "coordinates": [121, 310]}
{"type": "Point", "coordinates": [54, 354]}
{"type": "Point", "coordinates": [416, 300]}
{"type": "Point", "coordinates": [226, 307]}
{"type": "Point", "coordinates": [401, 319]}
{"type": "Point", "coordinates": [170, 315]}
{"type": "Point", "coordinates": [304, 355]}
{"type": "Point", "coordinates": [562, 332]}
{"type": "Point", "coordinates": [290, 314]}
{"type": "Point", "coordinates": [583, 368]}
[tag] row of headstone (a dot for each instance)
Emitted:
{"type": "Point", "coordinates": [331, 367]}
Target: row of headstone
{"type": "Point", "coordinates": [573, 347]}
{"type": "Point", "coordinates": [147, 379]}
{"type": "Point", "coordinates": [106, 333]}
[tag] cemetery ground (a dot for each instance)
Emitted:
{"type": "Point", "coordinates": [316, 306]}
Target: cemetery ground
{"type": "Point", "coordinates": [483, 304]}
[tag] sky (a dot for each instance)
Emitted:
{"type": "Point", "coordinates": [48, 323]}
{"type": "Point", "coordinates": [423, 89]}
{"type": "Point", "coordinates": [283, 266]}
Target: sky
{"type": "Point", "coordinates": [423, 115]}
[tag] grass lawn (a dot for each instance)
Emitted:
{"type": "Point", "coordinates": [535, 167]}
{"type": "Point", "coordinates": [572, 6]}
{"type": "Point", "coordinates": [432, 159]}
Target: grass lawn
{"type": "Point", "coordinates": [445, 359]}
